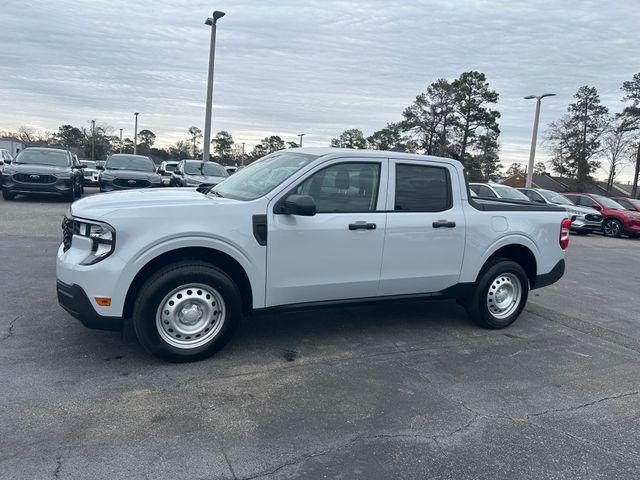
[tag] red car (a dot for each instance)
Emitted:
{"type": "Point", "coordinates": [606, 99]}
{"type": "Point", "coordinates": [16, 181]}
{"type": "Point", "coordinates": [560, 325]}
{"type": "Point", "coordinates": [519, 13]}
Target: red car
{"type": "Point", "coordinates": [617, 220]}
{"type": "Point", "coordinates": [628, 203]}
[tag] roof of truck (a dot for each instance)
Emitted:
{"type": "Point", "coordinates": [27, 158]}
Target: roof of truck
{"type": "Point", "coordinates": [353, 152]}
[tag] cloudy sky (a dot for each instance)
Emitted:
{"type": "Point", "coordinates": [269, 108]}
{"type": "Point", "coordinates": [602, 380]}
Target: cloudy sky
{"type": "Point", "coordinates": [316, 67]}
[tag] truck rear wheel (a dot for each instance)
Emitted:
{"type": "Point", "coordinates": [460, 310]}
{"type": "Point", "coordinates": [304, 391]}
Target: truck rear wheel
{"type": "Point", "coordinates": [186, 311]}
{"type": "Point", "coordinates": [501, 294]}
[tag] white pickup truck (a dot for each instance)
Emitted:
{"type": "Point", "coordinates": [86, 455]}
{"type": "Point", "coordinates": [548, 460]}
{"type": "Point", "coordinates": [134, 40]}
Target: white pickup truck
{"type": "Point", "coordinates": [301, 228]}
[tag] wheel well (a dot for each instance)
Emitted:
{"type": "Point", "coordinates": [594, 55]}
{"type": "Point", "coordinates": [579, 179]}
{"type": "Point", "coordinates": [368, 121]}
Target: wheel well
{"type": "Point", "coordinates": [521, 255]}
{"type": "Point", "coordinates": [221, 260]}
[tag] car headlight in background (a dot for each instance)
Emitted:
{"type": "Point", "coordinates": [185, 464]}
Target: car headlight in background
{"type": "Point", "coordinates": [102, 236]}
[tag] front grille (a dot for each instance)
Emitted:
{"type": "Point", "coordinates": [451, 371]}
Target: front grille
{"type": "Point", "coordinates": [67, 232]}
{"type": "Point", "coordinates": [34, 178]}
{"type": "Point", "coordinates": [592, 217]}
{"type": "Point", "coordinates": [124, 183]}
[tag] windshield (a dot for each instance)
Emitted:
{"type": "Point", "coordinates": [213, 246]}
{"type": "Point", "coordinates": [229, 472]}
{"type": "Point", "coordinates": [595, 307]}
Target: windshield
{"type": "Point", "coordinates": [210, 169]}
{"type": "Point", "coordinates": [262, 176]}
{"type": "Point", "coordinates": [170, 167]}
{"type": "Point", "coordinates": [56, 158]}
{"type": "Point", "coordinates": [130, 162]}
{"type": "Point", "coordinates": [555, 197]}
{"type": "Point", "coordinates": [510, 193]}
{"type": "Point", "coordinates": [608, 203]}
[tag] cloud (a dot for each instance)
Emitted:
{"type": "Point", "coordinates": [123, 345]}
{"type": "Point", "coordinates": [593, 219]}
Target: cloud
{"type": "Point", "coordinates": [316, 67]}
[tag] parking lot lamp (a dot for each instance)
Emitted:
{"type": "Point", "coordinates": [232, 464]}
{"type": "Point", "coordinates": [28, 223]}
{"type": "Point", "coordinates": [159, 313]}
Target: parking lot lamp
{"type": "Point", "coordinates": [120, 140]}
{"type": "Point", "coordinates": [93, 140]}
{"type": "Point", "coordinates": [208, 108]}
{"type": "Point", "coordinates": [534, 135]}
{"type": "Point", "coordinates": [301, 135]}
{"type": "Point", "coordinates": [135, 135]}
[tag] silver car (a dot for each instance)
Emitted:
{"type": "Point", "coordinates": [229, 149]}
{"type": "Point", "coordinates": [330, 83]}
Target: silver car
{"type": "Point", "coordinates": [585, 219]}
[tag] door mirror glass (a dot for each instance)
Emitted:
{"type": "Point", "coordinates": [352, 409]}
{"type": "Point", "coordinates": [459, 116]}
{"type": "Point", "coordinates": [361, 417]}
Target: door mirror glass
{"type": "Point", "coordinates": [299, 205]}
{"type": "Point", "coordinates": [597, 207]}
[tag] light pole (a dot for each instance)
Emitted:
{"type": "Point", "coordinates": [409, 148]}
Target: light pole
{"type": "Point", "coordinates": [301, 135]}
{"type": "Point", "coordinates": [120, 140]}
{"type": "Point", "coordinates": [93, 140]}
{"type": "Point", "coordinates": [242, 158]}
{"type": "Point", "coordinates": [534, 135]}
{"type": "Point", "coordinates": [135, 135]}
{"type": "Point", "coordinates": [212, 56]}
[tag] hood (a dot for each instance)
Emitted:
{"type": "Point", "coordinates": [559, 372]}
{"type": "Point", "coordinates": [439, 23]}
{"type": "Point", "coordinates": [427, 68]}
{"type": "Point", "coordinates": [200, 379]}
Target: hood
{"type": "Point", "coordinates": [206, 178]}
{"type": "Point", "coordinates": [130, 174]}
{"type": "Point", "coordinates": [97, 206]}
{"type": "Point", "coordinates": [35, 169]}
{"type": "Point", "coordinates": [581, 209]}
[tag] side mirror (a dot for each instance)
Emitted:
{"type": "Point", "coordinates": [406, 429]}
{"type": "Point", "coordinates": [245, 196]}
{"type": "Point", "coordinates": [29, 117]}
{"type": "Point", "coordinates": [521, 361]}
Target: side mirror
{"type": "Point", "coordinates": [7, 161]}
{"type": "Point", "coordinates": [302, 205]}
{"type": "Point", "coordinates": [99, 167]}
{"type": "Point", "coordinates": [177, 171]}
{"type": "Point", "coordinates": [597, 207]}
{"type": "Point", "coordinates": [161, 171]}
{"type": "Point", "coordinates": [539, 200]}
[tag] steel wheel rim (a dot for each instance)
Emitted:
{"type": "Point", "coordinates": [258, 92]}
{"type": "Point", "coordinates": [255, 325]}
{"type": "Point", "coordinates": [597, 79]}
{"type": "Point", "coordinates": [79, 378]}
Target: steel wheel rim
{"type": "Point", "coordinates": [611, 228]}
{"type": "Point", "coordinates": [190, 316]}
{"type": "Point", "coordinates": [504, 295]}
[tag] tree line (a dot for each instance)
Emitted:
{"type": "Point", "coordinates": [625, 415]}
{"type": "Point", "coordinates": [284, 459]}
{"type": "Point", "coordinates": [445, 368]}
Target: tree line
{"type": "Point", "coordinates": [101, 141]}
{"type": "Point", "coordinates": [457, 119]}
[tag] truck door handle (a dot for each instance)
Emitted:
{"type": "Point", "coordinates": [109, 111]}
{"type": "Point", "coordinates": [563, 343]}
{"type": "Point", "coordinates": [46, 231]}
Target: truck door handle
{"type": "Point", "coordinates": [443, 224]}
{"type": "Point", "coordinates": [362, 226]}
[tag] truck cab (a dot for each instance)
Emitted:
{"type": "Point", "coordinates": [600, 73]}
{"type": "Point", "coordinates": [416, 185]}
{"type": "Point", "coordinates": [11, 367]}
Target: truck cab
{"type": "Point", "coordinates": [301, 228]}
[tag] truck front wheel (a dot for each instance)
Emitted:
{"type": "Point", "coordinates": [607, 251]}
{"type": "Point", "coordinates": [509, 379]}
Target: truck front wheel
{"type": "Point", "coordinates": [186, 311]}
{"type": "Point", "coordinates": [501, 294]}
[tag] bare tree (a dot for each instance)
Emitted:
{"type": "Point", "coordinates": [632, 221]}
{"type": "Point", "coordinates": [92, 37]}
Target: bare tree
{"type": "Point", "coordinates": [617, 149]}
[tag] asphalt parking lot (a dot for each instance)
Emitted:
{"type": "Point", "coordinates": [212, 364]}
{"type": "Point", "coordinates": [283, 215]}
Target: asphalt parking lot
{"type": "Point", "coordinates": [362, 392]}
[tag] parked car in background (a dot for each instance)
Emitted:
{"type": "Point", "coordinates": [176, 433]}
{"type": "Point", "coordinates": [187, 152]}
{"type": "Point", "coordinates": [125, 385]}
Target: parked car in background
{"type": "Point", "coordinates": [91, 173]}
{"type": "Point", "coordinates": [193, 173]}
{"type": "Point", "coordinates": [123, 171]}
{"type": "Point", "coordinates": [628, 203]}
{"type": "Point", "coordinates": [301, 227]}
{"type": "Point", "coordinates": [166, 170]}
{"type": "Point", "coordinates": [43, 170]}
{"type": "Point", "coordinates": [5, 158]}
{"type": "Point", "coordinates": [491, 190]}
{"type": "Point", "coordinates": [584, 219]}
{"type": "Point", "coordinates": [616, 220]}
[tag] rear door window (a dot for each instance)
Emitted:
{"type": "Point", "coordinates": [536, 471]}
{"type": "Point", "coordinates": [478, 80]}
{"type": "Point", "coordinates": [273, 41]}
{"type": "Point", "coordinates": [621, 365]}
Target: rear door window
{"type": "Point", "coordinates": [422, 188]}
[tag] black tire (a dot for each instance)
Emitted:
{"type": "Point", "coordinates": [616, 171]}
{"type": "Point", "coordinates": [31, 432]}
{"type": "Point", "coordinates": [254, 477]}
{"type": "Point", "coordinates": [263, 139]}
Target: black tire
{"type": "Point", "coordinates": [70, 196]}
{"type": "Point", "coordinates": [161, 285]}
{"type": "Point", "coordinates": [8, 195]}
{"type": "Point", "coordinates": [612, 227]}
{"type": "Point", "coordinates": [494, 271]}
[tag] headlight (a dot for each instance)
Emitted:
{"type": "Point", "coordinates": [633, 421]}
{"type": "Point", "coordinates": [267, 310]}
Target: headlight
{"type": "Point", "coordinates": [102, 236]}
{"type": "Point", "coordinates": [66, 175]}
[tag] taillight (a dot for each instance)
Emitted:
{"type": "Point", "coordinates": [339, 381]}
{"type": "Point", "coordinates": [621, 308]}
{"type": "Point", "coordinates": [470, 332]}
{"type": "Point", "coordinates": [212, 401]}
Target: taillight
{"type": "Point", "coordinates": [565, 227]}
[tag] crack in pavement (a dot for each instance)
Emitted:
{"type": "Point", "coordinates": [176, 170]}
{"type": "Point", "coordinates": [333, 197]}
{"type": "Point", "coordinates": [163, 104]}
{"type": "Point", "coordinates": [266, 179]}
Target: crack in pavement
{"type": "Point", "coordinates": [588, 404]}
{"type": "Point", "coordinates": [10, 331]}
{"type": "Point", "coordinates": [56, 472]}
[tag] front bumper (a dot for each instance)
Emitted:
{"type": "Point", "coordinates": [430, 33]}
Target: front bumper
{"type": "Point", "coordinates": [110, 186]}
{"type": "Point", "coordinates": [77, 304]}
{"type": "Point", "coordinates": [583, 225]}
{"type": "Point", "coordinates": [61, 186]}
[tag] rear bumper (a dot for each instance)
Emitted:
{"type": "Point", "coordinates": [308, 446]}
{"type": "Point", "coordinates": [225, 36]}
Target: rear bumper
{"type": "Point", "coordinates": [553, 276]}
{"type": "Point", "coordinates": [77, 304]}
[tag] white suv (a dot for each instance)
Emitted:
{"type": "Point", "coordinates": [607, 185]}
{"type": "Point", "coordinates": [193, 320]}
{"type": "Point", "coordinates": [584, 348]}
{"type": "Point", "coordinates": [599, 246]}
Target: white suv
{"type": "Point", "coordinates": [301, 228]}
